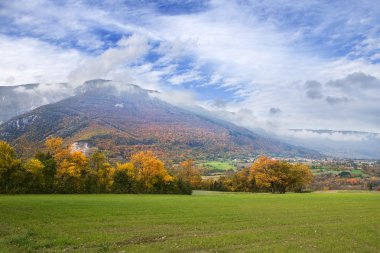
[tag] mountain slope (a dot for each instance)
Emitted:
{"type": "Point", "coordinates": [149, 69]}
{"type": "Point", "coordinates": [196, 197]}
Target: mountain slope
{"type": "Point", "coordinates": [125, 119]}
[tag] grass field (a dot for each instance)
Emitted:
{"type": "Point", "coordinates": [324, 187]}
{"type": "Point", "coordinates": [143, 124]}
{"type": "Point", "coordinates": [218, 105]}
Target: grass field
{"type": "Point", "coordinates": [220, 165]}
{"type": "Point", "coordinates": [203, 222]}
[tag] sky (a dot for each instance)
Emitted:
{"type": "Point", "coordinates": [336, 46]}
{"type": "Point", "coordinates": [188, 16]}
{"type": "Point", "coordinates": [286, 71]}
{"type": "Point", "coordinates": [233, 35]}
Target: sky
{"type": "Point", "coordinates": [275, 65]}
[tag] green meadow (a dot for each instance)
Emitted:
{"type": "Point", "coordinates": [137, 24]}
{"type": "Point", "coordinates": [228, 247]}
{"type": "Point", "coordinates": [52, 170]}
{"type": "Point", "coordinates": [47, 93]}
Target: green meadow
{"type": "Point", "coordinates": [203, 222]}
{"type": "Point", "coordinates": [216, 165]}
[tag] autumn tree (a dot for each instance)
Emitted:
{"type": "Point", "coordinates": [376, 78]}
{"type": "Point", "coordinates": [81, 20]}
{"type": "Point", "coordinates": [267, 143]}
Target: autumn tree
{"type": "Point", "coordinates": [101, 174]}
{"type": "Point", "coordinates": [124, 180]}
{"type": "Point", "coordinates": [62, 170]}
{"type": "Point", "coordinates": [373, 183]}
{"type": "Point", "coordinates": [279, 176]}
{"type": "Point", "coordinates": [97, 160]}
{"type": "Point", "coordinates": [72, 168]}
{"type": "Point", "coordinates": [54, 146]}
{"type": "Point", "coordinates": [150, 172]}
{"type": "Point", "coordinates": [9, 168]}
{"type": "Point", "coordinates": [49, 170]}
{"type": "Point", "coordinates": [269, 174]}
{"type": "Point", "coordinates": [105, 177]}
{"type": "Point", "coordinates": [190, 174]}
{"type": "Point", "coordinates": [300, 177]}
{"type": "Point", "coordinates": [239, 182]}
{"type": "Point", "coordinates": [72, 173]}
{"type": "Point", "coordinates": [34, 175]}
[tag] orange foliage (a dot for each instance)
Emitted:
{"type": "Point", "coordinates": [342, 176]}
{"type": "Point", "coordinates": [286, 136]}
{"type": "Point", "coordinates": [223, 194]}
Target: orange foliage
{"type": "Point", "coordinates": [190, 174]}
{"type": "Point", "coordinates": [353, 181]}
{"type": "Point", "coordinates": [278, 176]}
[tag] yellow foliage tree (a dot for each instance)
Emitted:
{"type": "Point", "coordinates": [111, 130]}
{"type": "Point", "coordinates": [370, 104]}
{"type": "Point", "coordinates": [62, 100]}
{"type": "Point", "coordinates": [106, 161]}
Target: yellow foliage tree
{"type": "Point", "coordinates": [190, 174]}
{"type": "Point", "coordinates": [240, 181]}
{"type": "Point", "coordinates": [124, 178]}
{"type": "Point", "coordinates": [9, 165]}
{"type": "Point", "coordinates": [105, 177]}
{"type": "Point", "coordinates": [34, 172]}
{"type": "Point", "coordinates": [279, 176]}
{"type": "Point", "coordinates": [301, 176]}
{"type": "Point", "coordinates": [97, 160]}
{"type": "Point", "coordinates": [127, 168]}
{"type": "Point", "coordinates": [150, 171]}
{"type": "Point", "coordinates": [72, 172]}
{"type": "Point", "coordinates": [34, 166]}
{"type": "Point", "coordinates": [54, 146]}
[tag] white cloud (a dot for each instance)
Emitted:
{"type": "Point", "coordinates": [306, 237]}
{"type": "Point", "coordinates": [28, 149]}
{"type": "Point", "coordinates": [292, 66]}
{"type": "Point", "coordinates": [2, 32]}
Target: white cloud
{"type": "Point", "coordinates": [184, 98]}
{"type": "Point", "coordinates": [253, 50]}
{"type": "Point", "coordinates": [26, 60]}
{"type": "Point", "coordinates": [237, 45]}
{"type": "Point", "coordinates": [130, 50]}
{"type": "Point", "coordinates": [143, 75]}
{"type": "Point", "coordinates": [333, 136]}
{"type": "Point", "coordinates": [184, 78]}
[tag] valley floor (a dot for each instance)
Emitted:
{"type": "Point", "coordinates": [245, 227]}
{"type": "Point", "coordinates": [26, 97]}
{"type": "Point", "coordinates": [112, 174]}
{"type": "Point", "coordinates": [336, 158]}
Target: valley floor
{"type": "Point", "coordinates": [203, 222]}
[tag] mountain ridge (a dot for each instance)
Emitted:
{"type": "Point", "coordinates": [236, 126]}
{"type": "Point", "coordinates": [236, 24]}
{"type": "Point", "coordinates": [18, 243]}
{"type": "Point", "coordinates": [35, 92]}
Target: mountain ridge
{"type": "Point", "coordinates": [128, 118]}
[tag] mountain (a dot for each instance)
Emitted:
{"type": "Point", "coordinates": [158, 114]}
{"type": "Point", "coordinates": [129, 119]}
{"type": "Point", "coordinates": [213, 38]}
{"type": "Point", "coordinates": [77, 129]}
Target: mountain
{"type": "Point", "coordinates": [15, 100]}
{"type": "Point", "coordinates": [124, 118]}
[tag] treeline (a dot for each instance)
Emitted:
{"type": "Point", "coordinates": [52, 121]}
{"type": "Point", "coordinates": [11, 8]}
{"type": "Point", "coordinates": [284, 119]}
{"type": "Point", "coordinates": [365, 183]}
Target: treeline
{"type": "Point", "coordinates": [61, 170]}
{"type": "Point", "coordinates": [265, 175]}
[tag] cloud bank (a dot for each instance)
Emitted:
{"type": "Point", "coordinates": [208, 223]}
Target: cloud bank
{"type": "Point", "coordinates": [275, 65]}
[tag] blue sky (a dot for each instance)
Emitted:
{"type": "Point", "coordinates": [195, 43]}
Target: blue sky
{"type": "Point", "coordinates": [267, 64]}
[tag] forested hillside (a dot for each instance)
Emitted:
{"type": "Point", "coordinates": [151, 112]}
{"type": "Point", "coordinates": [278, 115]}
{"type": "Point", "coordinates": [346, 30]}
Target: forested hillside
{"type": "Point", "coordinates": [131, 119]}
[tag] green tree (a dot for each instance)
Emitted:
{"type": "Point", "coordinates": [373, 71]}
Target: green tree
{"type": "Point", "coordinates": [49, 170]}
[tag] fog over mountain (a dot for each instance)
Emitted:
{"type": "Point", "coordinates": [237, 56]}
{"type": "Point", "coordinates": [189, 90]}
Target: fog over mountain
{"type": "Point", "coordinates": [344, 144]}
{"type": "Point", "coordinates": [15, 100]}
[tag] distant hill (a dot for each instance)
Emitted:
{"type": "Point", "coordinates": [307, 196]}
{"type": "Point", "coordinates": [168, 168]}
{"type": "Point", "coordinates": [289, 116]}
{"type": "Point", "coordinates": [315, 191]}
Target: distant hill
{"type": "Point", "coordinates": [124, 118]}
{"type": "Point", "coordinates": [15, 100]}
